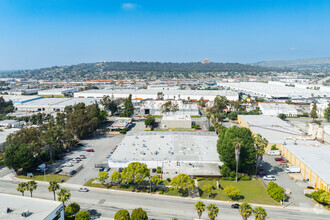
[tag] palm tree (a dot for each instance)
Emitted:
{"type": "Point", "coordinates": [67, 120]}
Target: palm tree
{"type": "Point", "coordinates": [261, 144]}
{"type": "Point", "coordinates": [237, 144]}
{"type": "Point", "coordinates": [260, 213]}
{"type": "Point", "coordinates": [31, 185]}
{"type": "Point", "coordinates": [200, 208]}
{"type": "Point", "coordinates": [208, 116]}
{"type": "Point", "coordinates": [63, 195]}
{"type": "Point", "coordinates": [213, 211]}
{"type": "Point", "coordinates": [245, 210]}
{"type": "Point", "coordinates": [53, 186]}
{"type": "Point", "coordinates": [21, 187]}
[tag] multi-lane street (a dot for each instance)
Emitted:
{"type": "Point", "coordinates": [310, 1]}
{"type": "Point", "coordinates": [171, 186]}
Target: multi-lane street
{"type": "Point", "coordinates": [104, 203]}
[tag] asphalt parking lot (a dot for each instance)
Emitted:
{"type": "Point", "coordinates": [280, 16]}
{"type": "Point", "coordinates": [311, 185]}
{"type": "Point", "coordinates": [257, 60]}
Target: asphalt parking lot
{"type": "Point", "coordinates": [297, 197]}
{"type": "Point", "coordinates": [102, 146]}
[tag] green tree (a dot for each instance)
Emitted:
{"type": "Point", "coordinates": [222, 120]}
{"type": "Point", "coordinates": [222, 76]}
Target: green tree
{"type": "Point", "coordinates": [53, 187]}
{"type": "Point", "coordinates": [139, 214]}
{"type": "Point", "coordinates": [82, 215]}
{"type": "Point", "coordinates": [282, 116]}
{"type": "Point", "coordinates": [201, 102]}
{"type": "Point", "coordinates": [208, 188]}
{"type": "Point", "coordinates": [109, 104]}
{"type": "Point", "coordinates": [213, 211]}
{"type": "Point", "coordinates": [220, 102]}
{"type": "Point", "coordinates": [19, 156]}
{"type": "Point", "coordinates": [22, 187]}
{"type": "Point", "coordinates": [63, 195]}
{"type": "Point", "coordinates": [103, 176]}
{"type": "Point", "coordinates": [225, 171]}
{"type": "Point", "coordinates": [326, 113]}
{"type": "Point", "coordinates": [232, 192]}
{"type": "Point", "coordinates": [129, 108]}
{"type": "Point", "coordinates": [208, 116]}
{"type": "Point", "coordinates": [259, 213]}
{"type": "Point", "coordinates": [135, 173]}
{"type": "Point", "coordinates": [72, 209]}
{"type": "Point", "coordinates": [226, 148]}
{"type": "Point", "coordinates": [245, 210]}
{"type": "Point", "coordinates": [313, 113]}
{"type": "Point", "coordinates": [31, 186]}
{"type": "Point", "coordinates": [155, 180]}
{"type": "Point", "coordinates": [183, 182]}
{"type": "Point", "coordinates": [150, 120]}
{"type": "Point", "coordinates": [122, 214]}
{"type": "Point", "coordinates": [200, 208]}
{"type": "Point", "coordinates": [116, 177]}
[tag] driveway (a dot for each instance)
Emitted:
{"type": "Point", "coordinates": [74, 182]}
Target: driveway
{"type": "Point", "coordinates": [297, 197]}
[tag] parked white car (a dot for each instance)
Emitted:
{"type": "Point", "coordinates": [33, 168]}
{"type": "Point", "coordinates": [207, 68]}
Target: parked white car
{"type": "Point", "coordinates": [74, 160]}
{"type": "Point", "coordinates": [269, 178]}
{"type": "Point", "coordinates": [83, 189]}
{"type": "Point", "coordinates": [68, 164]}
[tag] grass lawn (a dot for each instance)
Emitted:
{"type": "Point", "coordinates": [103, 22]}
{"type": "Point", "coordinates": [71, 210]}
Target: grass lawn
{"type": "Point", "coordinates": [52, 96]}
{"type": "Point", "coordinates": [158, 116]}
{"type": "Point", "coordinates": [123, 188]}
{"type": "Point", "coordinates": [195, 116]}
{"type": "Point", "coordinates": [251, 191]}
{"type": "Point", "coordinates": [49, 177]}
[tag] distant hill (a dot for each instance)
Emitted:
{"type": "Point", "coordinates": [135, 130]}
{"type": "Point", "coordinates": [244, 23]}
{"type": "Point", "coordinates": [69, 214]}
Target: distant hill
{"type": "Point", "coordinates": [122, 70]}
{"type": "Point", "coordinates": [323, 63]}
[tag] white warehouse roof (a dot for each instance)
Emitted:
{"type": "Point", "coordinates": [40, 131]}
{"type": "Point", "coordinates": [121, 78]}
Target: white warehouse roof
{"type": "Point", "coordinates": [277, 108]}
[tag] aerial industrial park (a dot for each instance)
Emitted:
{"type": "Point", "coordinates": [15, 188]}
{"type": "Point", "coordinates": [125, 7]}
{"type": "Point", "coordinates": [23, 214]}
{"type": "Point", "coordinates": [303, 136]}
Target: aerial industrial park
{"type": "Point", "coordinates": [164, 110]}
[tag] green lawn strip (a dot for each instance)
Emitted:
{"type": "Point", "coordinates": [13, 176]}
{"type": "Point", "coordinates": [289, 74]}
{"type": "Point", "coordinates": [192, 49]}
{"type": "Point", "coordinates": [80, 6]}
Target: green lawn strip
{"type": "Point", "coordinates": [52, 96]}
{"type": "Point", "coordinates": [195, 116]}
{"type": "Point", "coordinates": [252, 191]}
{"type": "Point", "coordinates": [90, 183]}
{"type": "Point", "coordinates": [49, 177]}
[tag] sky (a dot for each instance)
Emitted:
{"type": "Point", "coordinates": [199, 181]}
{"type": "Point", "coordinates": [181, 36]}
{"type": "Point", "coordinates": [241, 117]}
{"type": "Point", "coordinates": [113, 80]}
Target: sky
{"type": "Point", "coordinates": [42, 33]}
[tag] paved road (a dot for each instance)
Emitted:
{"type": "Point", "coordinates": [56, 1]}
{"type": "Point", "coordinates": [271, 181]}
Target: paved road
{"type": "Point", "coordinates": [105, 203]}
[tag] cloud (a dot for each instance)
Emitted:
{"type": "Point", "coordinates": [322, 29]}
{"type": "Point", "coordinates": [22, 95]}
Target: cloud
{"type": "Point", "coordinates": [128, 6]}
{"type": "Point", "coordinates": [293, 48]}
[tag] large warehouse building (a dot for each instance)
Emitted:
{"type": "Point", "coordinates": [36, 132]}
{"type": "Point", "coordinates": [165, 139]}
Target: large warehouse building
{"type": "Point", "coordinates": [192, 153]}
{"type": "Point", "coordinates": [48, 105]}
{"type": "Point", "coordinates": [154, 108]}
{"type": "Point", "coordinates": [153, 94]}
{"type": "Point", "coordinates": [311, 156]}
{"type": "Point", "coordinates": [277, 108]}
{"type": "Point", "coordinates": [274, 91]}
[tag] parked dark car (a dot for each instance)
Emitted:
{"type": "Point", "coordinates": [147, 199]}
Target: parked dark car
{"type": "Point", "coordinates": [262, 173]}
{"type": "Point", "coordinates": [120, 170]}
{"type": "Point", "coordinates": [235, 206]}
{"type": "Point", "coordinates": [57, 170]}
{"type": "Point", "coordinates": [101, 169]}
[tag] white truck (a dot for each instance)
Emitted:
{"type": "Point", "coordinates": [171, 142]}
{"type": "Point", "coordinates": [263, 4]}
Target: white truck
{"type": "Point", "coordinates": [274, 153]}
{"type": "Point", "coordinates": [292, 169]}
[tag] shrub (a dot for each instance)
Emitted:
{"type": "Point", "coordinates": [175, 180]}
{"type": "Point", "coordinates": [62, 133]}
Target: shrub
{"type": "Point", "coordinates": [232, 192]}
{"type": "Point", "coordinates": [232, 174]}
{"type": "Point", "coordinates": [122, 215]}
{"type": "Point", "coordinates": [275, 191]}
{"type": "Point", "coordinates": [161, 192]}
{"type": "Point", "coordinates": [225, 171]}
{"type": "Point", "coordinates": [274, 147]}
{"type": "Point", "coordinates": [139, 214]}
{"type": "Point", "coordinates": [200, 178]}
{"type": "Point", "coordinates": [159, 170]}
{"type": "Point", "coordinates": [82, 215]}
{"type": "Point", "coordinates": [211, 128]}
{"type": "Point", "coordinates": [170, 189]}
{"type": "Point", "coordinates": [245, 178]}
{"type": "Point", "coordinates": [168, 180]}
{"type": "Point", "coordinates": [308, 195]}
{"type": "Point", "coordinates": [72, 209]}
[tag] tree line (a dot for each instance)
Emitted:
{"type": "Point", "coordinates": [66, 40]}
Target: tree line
{"type": "Point", "coordinates": [33, 145]}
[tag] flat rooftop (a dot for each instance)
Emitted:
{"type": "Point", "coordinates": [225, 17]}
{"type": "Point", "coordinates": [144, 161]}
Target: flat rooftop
{"type": "Point", "coordinates": [158, 104]}
{"type": "Point", "coordinates": [57, 102]}
{"type": "Point", "coordinates": [274, 129]}
{"type": "Point", "coordinates": [168, 146]}
{"type": "Point", "coordinates": [39, 208]}
{"type": "Point", "coordinates": [314, 154]}
{"type": "Point", "coordinates": [176, 118]}
{"type": "Point", "coordinates": [20, 98]}
{"type": "Point", "coordinates": [277, 106]}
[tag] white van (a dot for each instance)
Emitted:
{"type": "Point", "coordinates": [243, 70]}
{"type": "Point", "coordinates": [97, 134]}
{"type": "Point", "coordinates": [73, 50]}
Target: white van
{"type": "Point", "coordinates": [274, 153]}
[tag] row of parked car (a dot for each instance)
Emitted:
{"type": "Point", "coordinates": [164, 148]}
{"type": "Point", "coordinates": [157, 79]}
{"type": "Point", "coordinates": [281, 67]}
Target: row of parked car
{"type": "Point", "coordinates": [74, 160]}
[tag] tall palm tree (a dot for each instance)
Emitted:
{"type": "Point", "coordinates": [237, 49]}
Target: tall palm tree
{"type": "Point", "coordinates": [63, 195]}
{"type": "Point", "coordinates": [261, 144]}
{"type": "Point", "coordinates": [208, 116]}
{"type": "Point", "coordinates": [245, 210]}
{"type": "Point", "coordinates": [213, 211]}
{"type": "Point", "coordinates": [53, 186]}
{"type": "Point", "coordinates": [238, 145]}
{"type": "Point", "coordinates": [200, 208]}
{"type": "Point", "coordinates": [21, 187]}
{"type": "Point", "coordinates": [31, 186]}
{"type": "Point", "coordinates": [260, 213]}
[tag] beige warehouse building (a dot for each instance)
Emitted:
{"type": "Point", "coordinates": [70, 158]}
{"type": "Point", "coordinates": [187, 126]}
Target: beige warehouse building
{"type": "Point", "coordinates": [311, 156]}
